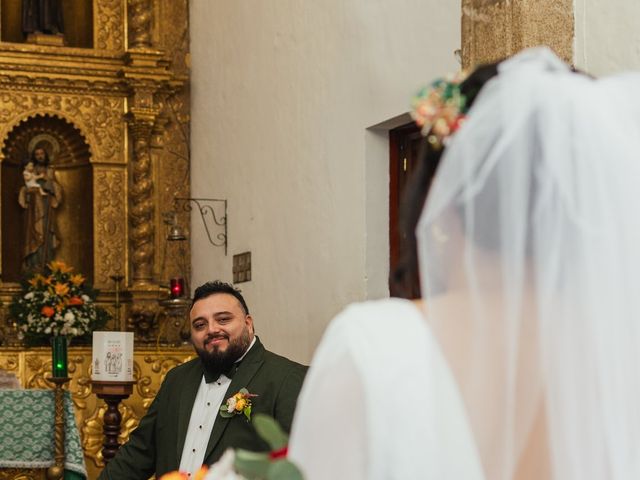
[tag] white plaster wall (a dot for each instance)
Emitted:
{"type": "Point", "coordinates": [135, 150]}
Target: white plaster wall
{"type": "Point", "coordinates": [607, 36]}
{"type": "Point", "coordinates": [283, 94]}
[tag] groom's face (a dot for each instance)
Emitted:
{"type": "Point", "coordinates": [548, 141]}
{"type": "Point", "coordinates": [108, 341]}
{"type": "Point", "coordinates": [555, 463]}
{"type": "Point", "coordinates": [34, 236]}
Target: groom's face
{"type": "Point", "coordinates": [219, 325]}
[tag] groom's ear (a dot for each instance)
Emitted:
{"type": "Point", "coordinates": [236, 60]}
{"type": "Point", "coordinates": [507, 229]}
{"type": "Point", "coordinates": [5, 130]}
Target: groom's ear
{"type": "Point", "coordinates": [248, 321]}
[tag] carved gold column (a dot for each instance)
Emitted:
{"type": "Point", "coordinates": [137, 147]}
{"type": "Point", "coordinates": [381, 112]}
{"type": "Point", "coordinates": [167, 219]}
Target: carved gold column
{"type": "Point", "coordinates": [150, 82]}
{"type": "Point", "coordinates": [56, 471]}
{"type": "Point", "coordinates": [495, 29]}
{"type": "Point", "coordinates": [142, 205]}
{"type": "Point", "coordinates": [140, 16]}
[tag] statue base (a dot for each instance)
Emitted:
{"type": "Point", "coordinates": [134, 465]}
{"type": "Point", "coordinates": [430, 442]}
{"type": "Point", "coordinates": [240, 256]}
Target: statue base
{"type": "Point", "coordinates": [39, 38]}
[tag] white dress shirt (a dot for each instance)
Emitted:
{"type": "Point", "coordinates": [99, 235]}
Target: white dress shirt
{"type": "Point", "coordinates": [205, 411]}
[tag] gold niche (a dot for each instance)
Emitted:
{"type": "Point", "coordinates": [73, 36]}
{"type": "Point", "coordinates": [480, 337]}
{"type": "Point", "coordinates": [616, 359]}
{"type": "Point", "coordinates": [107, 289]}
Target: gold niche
{"type": "Point", "coordinates": [109, 98]}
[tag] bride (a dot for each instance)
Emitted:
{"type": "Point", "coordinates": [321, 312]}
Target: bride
{"type": "Point", "coordinates": [524, 362]}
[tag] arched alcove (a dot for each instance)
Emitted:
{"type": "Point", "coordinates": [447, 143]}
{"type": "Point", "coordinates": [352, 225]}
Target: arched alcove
{"type": "Point", "coordinates": [70, 158]}
{"type": "Point", "coordinates": [77, 17]}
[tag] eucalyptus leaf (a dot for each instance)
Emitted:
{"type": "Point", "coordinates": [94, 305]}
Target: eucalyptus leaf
{"type": "Point", "coordinates": [251, 465]}
{"type": "Point", "coordinates": [283, 470]}
{"type": "Point", "coordinates": [247, 412]}
{"type": "Point", "coordinates": [270, 431]}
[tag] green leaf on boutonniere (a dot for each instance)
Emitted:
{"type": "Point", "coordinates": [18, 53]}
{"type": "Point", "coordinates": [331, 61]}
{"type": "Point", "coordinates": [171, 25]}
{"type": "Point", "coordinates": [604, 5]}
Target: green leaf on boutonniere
{"type": "Point", "coordinates": [247, 412]}
{"type": "Point", "coordinates": [224, 413]}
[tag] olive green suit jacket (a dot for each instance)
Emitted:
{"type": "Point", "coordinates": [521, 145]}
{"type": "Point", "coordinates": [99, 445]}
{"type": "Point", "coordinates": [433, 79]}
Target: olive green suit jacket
{"type": "Point", "coordinates": [155, 447]}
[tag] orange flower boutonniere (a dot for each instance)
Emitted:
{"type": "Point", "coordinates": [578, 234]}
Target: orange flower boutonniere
{"type": "Point", "coordinates": [237, 404]}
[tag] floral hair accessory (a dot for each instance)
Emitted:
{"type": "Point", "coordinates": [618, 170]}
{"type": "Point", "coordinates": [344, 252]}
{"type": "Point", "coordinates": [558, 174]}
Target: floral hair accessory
{"type": "Point", "coordinates": [440, 109]}
{"type": "Point", "coordinates": [237, 404]}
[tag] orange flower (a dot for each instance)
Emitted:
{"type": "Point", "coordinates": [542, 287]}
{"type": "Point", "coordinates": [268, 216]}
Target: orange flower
{"type": "Point", "coordinates": [75, 301]}
{"type": "Point", "coordinates": [77, 279]}
{"type": "Point", "coordinates": [47, 311]}
{"type": "Point", "coordinates": [60, 306]}
{"type": "Point", "coordinates": [200, 474]}
{"type": "Point", "coordinates": [61, 289]}
{"type": "Point", "coordinates": [57, 266]}
{"type": "Point", "coordinates": [37, 280]}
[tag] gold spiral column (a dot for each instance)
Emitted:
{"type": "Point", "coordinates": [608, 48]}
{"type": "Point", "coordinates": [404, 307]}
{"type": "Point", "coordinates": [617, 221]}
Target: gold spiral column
{"type": "Point", "coordinates": [142, 205]}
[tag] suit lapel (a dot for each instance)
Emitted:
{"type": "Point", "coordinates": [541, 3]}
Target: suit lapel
{"type": "Point", "coordinates": [247, 369]}
{"type": "Point", "coordinates": [185, 405]}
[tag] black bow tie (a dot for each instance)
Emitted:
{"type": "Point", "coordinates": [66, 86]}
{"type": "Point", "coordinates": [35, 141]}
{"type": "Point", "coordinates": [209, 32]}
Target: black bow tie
{"type": "Point", "coordinates": [210, 377]}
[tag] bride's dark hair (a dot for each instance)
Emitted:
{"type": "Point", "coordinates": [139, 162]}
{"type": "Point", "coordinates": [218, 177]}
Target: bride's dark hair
{"type": "Point", "coordinates": [405, 278]}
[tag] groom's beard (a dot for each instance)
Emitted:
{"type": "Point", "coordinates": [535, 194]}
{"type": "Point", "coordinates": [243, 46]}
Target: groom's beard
{"type": "Point", "coordinates": [217, 362]}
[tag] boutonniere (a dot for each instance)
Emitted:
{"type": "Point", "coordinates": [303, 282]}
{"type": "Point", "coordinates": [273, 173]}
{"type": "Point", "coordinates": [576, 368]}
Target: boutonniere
{"type": "Point", "coordinates": [238, 404]}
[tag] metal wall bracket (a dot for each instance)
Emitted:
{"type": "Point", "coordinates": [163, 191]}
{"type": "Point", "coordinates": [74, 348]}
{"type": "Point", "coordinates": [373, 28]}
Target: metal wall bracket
{"type": "Point", "coordinates": [213, 212]}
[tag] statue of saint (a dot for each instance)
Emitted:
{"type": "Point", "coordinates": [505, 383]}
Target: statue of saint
{"type": "Point", "coordinates": [42, 16]}
{"type": "Point", "coordinates": [40, 196]}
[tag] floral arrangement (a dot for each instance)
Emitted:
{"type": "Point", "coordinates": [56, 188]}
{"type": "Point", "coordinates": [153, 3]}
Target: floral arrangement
{"type": "Point", "coordinates": [56, 303]}
{"type": "Point", "coordinates": [440, 109]}
{"type": "Point", "coordinates": [244, 465]}
{"type": "Point", "coordinates": [238, 404]}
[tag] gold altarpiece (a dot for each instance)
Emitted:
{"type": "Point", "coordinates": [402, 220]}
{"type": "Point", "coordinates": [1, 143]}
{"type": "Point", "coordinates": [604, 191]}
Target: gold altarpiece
{"type": "Point", "coordinates": [114, 97]}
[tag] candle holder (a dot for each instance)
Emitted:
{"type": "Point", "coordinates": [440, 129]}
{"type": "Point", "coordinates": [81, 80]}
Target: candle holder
{"type": "Point", "coordinates": [112, 393]}
{"type": "Point", "coordinates": [177, 287]}
{"type": "Point", "coordinates": [56, 471]}
{"type": "Point", "coordinates": [59, 344]}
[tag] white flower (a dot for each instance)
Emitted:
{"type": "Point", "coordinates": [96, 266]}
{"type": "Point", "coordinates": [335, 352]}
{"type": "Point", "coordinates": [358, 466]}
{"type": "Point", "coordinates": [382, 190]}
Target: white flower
{"type": "Point", "coordinates": [223, 468]}
{"type": "Point", "coordinates": [85, 298]}
{"type": "Point", "coordinates": [69, 317]}
{"type": "Point", "coordinates": [28, 296]}
{"type": "Point", "coordinates": [231, 404]}
{"type": "Point", "coordinates": [46, 330]}
{"type": "Point", "coordinates": [74, 332]}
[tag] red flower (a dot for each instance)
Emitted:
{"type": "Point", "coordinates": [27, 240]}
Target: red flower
{"type": "Point", "coordinates": [281, 453]}
{"type": "Point", "coordinates": [75, 301]}
{"type": "Point", "coordinates": [48, 311]}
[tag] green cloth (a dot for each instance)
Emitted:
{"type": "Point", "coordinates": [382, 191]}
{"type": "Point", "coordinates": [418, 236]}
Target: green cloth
{"type": "Point", "coordinates": [26, 432]}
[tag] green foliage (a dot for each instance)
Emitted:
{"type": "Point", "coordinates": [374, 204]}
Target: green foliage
{"type": "Point", "coordinates": [283, 470]}
{"type": "Point", "coordinates": [260, 466]}
{"type": "Point", "coordinates": [269, 430]}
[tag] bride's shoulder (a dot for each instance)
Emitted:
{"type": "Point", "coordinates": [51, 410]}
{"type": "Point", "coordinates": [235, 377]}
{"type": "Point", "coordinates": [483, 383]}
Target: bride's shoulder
{"type": "Point", "coordinates": [371, 315]}
{"type": "Point", "coordinates": [373, 327]}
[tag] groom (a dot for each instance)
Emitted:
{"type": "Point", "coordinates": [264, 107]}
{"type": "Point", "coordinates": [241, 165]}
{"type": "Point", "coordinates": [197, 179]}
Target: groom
{"type": "Point", "coordinates": [183, 428]}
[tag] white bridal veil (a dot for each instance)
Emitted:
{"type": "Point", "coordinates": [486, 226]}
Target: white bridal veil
{"type": "Point", "coordinates": [532, 231]}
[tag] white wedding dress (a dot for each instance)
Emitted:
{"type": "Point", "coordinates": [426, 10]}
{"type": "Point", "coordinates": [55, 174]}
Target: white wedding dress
{"type": "Point", "coordinates": [528, 366]}
{"type": "Point", "coordinates": [379, 402]}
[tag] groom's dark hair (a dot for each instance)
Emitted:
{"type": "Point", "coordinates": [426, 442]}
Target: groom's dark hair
{"type": "Point", "coordinates": [211, 288]}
